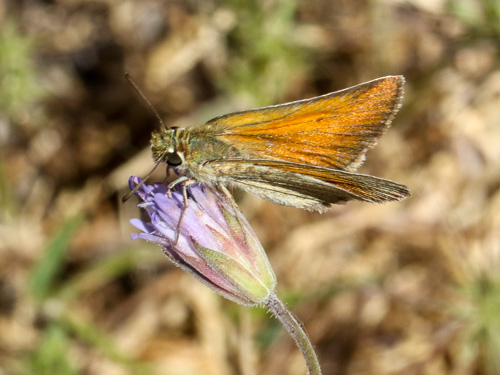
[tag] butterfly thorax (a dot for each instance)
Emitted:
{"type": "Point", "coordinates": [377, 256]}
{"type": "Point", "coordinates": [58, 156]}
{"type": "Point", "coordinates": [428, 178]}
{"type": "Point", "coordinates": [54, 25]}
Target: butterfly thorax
{"type": "Point", "coordinates": [188, 150]}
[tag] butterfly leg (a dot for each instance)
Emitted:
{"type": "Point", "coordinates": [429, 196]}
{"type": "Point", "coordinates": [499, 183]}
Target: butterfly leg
{"type": "Point", "coordinates": [180, 181]}
{"type": "Point", "coordinates": [183, 182]}
{"type": "Point", "coordinates": [226, 192]}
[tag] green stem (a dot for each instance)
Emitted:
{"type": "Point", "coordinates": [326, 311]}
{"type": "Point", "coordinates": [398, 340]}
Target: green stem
{"type": "Point", "coordinates": [295, 329]}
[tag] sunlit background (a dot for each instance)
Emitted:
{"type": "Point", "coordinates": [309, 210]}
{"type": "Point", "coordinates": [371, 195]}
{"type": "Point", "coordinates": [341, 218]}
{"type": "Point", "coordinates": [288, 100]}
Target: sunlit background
{"type": "Point", "coordinates": [410, 287]}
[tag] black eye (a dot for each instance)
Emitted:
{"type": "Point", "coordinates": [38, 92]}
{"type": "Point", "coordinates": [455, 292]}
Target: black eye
{"type": "Point", "coordinates": [173, 159]}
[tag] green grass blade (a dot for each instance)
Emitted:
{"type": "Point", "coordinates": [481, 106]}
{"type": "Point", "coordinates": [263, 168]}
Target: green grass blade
{"type": "Point", "coordinates": [45, 272]}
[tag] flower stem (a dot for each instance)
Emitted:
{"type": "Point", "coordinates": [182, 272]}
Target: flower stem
{"type": "Point", "coordinates": [295, 329]}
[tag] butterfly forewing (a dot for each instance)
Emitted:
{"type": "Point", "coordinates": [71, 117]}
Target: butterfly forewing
{"type": "Point", "coordinates": [333, 130]}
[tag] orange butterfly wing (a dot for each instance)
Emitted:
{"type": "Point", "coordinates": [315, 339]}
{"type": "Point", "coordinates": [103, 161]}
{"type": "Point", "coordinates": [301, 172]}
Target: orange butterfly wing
{"type": "Point", "coordinates": [333, 130]}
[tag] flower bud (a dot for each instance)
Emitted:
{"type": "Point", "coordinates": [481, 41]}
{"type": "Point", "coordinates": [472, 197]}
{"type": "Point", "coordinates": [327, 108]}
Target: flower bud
{"type": "Point", "coordinates": [215, 242]}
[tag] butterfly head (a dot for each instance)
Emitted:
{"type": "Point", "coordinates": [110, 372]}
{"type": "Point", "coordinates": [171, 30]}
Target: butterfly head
{"type": "Point", "coordinates": [164, 147]}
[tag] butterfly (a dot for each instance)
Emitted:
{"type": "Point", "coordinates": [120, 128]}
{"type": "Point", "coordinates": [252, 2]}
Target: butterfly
{"type": "Point", "coordinates": [302, 154]}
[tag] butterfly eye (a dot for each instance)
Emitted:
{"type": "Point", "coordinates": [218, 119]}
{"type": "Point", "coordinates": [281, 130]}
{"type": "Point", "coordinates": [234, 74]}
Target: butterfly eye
{"type": "Point", "coordinates": [173, 159]}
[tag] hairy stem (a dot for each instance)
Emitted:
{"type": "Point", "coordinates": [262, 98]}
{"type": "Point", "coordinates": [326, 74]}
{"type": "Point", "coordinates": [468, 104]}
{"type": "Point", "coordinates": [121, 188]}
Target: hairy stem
{"type": "Point", "coordinates": [295, 329]}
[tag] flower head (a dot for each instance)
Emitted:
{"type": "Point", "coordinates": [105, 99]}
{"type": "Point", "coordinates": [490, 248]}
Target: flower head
{"type": "Point", "coordinates": [216, 244]}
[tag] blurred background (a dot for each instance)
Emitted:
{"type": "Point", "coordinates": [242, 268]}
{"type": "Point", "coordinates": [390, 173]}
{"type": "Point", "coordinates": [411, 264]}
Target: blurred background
{"type": "Point", "coordinates": [409, 287]}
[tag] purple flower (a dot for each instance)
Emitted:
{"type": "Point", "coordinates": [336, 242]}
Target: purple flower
{"type": "Point", "coordinates": [218, 247]}
{"type": "Point", "coordinates": [216, 244]}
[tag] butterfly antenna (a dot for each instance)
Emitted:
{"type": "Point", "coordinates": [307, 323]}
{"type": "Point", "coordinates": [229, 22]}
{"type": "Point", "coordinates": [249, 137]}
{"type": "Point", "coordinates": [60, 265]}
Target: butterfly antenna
{"type": "Point", "coordinates": [127, 196]}
{"type": "Point", "coordinates": [139, 91]}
